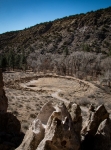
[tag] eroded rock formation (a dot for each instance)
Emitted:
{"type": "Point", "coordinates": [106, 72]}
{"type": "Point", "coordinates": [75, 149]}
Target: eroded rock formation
{"type": "Point", "coordinates": [60, 128]}
{"type": "Point", "coordinates": [103, 136]}
{"type": "Point", "coordinates": [53, 129]}
{"type": "Point", "coordinates": [96, 130]}
{"type": "Point", "coordinates": [75, 113]}
{"type": "Point", "coordinates": [10, 134]}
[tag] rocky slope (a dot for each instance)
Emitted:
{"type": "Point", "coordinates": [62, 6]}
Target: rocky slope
{"type": "Point", "coordinates": [86, 32]}
{"type": "Point", "coordinates": [78, 45]}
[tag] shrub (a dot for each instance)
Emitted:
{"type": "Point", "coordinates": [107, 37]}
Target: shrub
{"type": "Point", "coordinates": [33, 115]}
{"type": "Point", "coordinates": [84, 102]}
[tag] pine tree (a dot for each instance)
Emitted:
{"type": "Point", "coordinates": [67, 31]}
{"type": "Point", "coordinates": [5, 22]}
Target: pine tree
{"type": "Point", "coordinates": [3, 62]}
{"type": "Point", "coordinates": [23, 61]}
{"type": "Point", "coordinates": [66, 51]}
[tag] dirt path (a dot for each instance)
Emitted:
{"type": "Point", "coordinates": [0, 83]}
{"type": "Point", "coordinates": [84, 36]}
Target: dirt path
{"type": "Point", "coordinates": [56, 95]}
{"type": "Point", "coordinates": [84, 109]}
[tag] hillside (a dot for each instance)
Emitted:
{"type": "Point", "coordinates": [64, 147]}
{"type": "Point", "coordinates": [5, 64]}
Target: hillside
{"type": "Point", "coordinates": [76, 45]}
{"type": "Point", "coordinates": [87, 32]}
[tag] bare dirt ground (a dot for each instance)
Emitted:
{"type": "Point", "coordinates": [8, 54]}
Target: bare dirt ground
{"type": "Point", "coordinates": [28, 92]}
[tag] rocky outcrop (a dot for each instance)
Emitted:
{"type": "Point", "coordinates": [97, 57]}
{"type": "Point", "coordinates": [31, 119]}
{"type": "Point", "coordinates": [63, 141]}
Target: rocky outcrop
{"type": "Point", "coordinates": [94, 119]}
{"type": "Point", "coordinates": [60, 128]}
{"type": "Point", "coordinates": [59, 132]}
{"type": "Point", "coordinates": [10, 134]}
{"type": "Point", "coordinates": [97, 120]}
{"type": "Point", "coordinates": [53, 129]}
{"type": "Point", "coordinates": [36, 132]}
{"type": "Point", "coordinates": [75, 112]}
{"type": "Point", "coordinates": [103, 136]}
{"type": "Point", "coordinates": [3, 98]}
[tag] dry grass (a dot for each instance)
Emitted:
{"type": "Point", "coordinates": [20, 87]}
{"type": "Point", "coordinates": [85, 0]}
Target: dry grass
{"type": "Point", "coordinates": [26, 104]}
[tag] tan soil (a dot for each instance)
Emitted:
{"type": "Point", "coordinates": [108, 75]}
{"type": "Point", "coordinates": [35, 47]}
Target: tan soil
{"type": "Point", "coordinates": [35, 90]}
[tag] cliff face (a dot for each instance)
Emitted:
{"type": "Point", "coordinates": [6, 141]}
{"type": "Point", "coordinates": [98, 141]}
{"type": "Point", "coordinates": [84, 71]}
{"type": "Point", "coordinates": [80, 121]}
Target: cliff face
{"type": "Point", "coordinates": [10, 134]}
{"type": "Point", "coordinates": [86, 32]}
{"type": "Point", "coordinates": [3, 98]}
